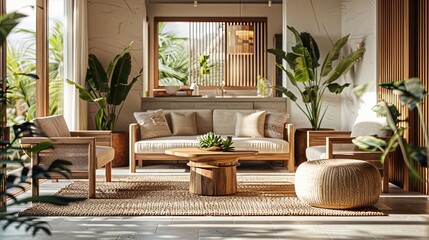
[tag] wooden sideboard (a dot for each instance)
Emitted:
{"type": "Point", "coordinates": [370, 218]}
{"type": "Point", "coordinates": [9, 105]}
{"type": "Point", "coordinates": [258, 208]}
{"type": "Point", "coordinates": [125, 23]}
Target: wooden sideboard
{"type": "Point", "coordinates": [273, 103]}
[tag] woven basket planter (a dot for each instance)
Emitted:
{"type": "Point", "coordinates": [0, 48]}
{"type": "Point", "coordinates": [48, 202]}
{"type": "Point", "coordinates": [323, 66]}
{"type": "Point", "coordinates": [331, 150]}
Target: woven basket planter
{"type": "Point", "coordinates": [338, 183]}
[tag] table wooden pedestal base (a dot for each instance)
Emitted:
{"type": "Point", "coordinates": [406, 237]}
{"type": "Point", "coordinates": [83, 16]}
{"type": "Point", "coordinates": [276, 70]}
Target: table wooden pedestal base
{"type": "Point", "coordinates": [214, 178]}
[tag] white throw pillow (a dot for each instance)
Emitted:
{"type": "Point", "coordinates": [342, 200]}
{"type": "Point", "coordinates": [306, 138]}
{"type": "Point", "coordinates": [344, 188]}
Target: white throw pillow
{"type": "Point", "coordinates": [250, 125]}
{"type": "Point", "coordinates": [152, 124]}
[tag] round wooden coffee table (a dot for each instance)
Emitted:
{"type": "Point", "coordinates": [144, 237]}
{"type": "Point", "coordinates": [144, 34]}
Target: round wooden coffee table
{"type": "Point", "coordinates": [213, 173]}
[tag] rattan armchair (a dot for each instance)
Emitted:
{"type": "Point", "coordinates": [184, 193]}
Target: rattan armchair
{"type": "Point", "coordinates": [338, 145]}
{"type": "Point", "coordinates": [86, 150]}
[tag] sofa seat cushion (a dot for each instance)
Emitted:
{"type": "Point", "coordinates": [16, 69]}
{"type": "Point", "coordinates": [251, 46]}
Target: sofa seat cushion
{"type": "Point", "coordinates": [261, 144]}
{"type": "Point", "coordinates": [159, 145]}
{"type": "Point", "coordinates": [104, 155]}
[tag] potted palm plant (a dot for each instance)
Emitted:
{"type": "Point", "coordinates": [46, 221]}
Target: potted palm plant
{"type": "Point", "coordinates": [109, 88]}
{"type": "Point", "coordinates": [311, 79]}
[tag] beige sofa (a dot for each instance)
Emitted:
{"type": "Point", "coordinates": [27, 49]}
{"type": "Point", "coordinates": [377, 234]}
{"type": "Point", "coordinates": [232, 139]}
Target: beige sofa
{"type": "Point", "coordinates": [220, 121]}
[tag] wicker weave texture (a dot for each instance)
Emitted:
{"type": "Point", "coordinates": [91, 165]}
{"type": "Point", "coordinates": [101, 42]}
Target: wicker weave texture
{"type": "Point", "coordinates": [338, 183]}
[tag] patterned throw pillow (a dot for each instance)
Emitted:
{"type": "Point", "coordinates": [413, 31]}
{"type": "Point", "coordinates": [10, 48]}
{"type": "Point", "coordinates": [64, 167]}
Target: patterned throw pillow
{"type": "Point", "coordinates": [250, 125]}
{"type": "Point", "coordinates": [152, 124]}
{"type": "Point", "coordinates": [275, 124]}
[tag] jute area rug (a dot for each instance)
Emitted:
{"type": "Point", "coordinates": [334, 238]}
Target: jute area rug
{"type": "Point", "coordinates": [169, 195]}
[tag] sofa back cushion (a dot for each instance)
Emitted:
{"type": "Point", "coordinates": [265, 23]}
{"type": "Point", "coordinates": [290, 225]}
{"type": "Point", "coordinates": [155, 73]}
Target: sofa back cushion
{"type": "Point", "coordinates": [52, 126]}
{"type": "Point", "coordinates": [203, 118]}
{"type": "Point", "coordinates": [224, 120]}
{"type": "Point", "coordinates": [183, 124]}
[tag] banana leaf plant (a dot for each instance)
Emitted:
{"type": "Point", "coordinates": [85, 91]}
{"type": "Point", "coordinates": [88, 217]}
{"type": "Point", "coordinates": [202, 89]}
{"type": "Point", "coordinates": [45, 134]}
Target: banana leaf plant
{"type": "Point", "coordinates": [309, 78]}
{"type": "Point", "coordinates": [411, 93]}
{"type": "Point", "coordinates": [108, 87]}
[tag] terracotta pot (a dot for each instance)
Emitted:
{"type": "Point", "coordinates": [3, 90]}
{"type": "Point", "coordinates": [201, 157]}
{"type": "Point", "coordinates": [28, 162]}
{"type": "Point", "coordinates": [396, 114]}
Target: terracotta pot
{"type": "Point", "coordinates": [301, 144]}
{"type": "Point", "coordinates": [120, 144]}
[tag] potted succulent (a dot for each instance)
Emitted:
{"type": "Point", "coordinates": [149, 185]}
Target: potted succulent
{"type": "Point", "coordinates": [311, 79]}
{"type": "Point", "coordinates": [109, 88]}
{"type": "Point", "coordinates": [213, 142]}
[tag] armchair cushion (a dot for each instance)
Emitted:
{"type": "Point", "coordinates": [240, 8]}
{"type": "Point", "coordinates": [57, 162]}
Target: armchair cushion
{"type": "Point", "coordinates": [52, 126]}
{"type": "Point", "coordinates": [104, 155]}
{"type": "Point", "coordinates": [369, 128]}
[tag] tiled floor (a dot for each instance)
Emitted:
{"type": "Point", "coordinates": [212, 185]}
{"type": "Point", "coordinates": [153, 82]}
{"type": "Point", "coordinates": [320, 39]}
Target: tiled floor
{"type": "Point", "coordinates": [408, 217]}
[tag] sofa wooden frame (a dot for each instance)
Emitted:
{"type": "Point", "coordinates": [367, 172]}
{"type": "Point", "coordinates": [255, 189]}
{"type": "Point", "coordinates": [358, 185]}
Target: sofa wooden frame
{"type": "Point", "coordinates": [136, 159]}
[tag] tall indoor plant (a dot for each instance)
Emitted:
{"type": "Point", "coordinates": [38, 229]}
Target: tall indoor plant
{"type": "Point", "coordinates": [107, 87]}
{"type": "Point", "coordinates": [308, 79]}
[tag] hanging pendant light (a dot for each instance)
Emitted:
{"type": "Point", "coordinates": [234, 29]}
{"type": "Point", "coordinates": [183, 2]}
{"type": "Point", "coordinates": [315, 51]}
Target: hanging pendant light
{"type": "Point", "coordinates": [240, 38]}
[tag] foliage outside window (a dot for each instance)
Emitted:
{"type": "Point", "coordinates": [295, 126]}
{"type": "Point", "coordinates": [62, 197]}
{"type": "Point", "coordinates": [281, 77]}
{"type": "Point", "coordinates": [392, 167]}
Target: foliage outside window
{"type": "Point", "coordinates": [194, 50]}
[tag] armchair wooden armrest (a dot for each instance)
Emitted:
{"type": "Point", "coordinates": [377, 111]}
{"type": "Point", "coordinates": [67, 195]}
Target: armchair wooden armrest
{"type": "Point", "coordinates": [318, 138]}
{"type": "Point", "coordinates": [103, 138]}
{"type": "Point", "coordinates": [291, 140]}
{"type": "Point", "coordinates": [356, 153]}
{"type": "Point", "coordinates": [134, 137]}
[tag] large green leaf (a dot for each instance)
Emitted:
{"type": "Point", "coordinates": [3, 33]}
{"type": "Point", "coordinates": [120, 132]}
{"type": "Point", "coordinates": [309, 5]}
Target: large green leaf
{"type": "Point", "coordinates": [337, 88]}
{"type": "Point", "coordinates": [381, 109]}
{"type": "Point", "coordinates": [303, 65]}
{"type": "Point", "coordinates": [411, 91]}
{"type": "Point", "coordinates": [112, 64]}
{"type": "Point", "coordinates": [288, 57]}
{"type": "Point", "coordinates": [96, 76]}
{"type": "Point", "coordinates": [334, 54]}
{"type": "Point", "coordinates": [84, 94]}
{"type": "Point", "coordinates": [369, 143]}
{"type": "Point", "coordinates": [9, 22]}
{"type": "Point", "coordinates": [286, 92]}
{"type": "Point", "coordinates": [345, 65]}
{"type": "Point", "coordinates": [119, 79]}
{"type": "Point", "coordinates": [312, 47]}
{"type": "Point", "coordinates": [298, 41]}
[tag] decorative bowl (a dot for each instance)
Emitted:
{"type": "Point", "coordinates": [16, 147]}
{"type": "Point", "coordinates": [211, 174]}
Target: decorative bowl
{"type": "Point", "coordinates": [171, 90]}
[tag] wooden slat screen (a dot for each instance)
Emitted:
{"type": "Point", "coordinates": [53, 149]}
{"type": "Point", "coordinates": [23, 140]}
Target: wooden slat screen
{"type": "Point", "coordinates": [423, 73]}
{"type": "Point", "coordinates": [207, 38]}
{"type": "Point", "coordinates": [243, 70]}
{"type": "Point", "coordinates": [392, 66]}
{"type": "Point", "coordinates": [403, 52]}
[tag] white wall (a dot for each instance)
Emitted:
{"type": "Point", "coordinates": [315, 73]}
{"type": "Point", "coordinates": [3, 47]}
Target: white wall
{"type": "Point", "coordinates": [359, 19]}
{"type": "Point", "coordinates": [327, 21]}
{"type": "Point", "coordinates": [322, 19]}
{"type": "Point", "coordinates": [112, 25]}
{"type": "Point", "coordinates": [273, 14]}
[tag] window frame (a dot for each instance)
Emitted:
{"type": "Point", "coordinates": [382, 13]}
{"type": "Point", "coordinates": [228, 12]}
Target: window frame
{"type": "Point", "coordinates": [156, 21]}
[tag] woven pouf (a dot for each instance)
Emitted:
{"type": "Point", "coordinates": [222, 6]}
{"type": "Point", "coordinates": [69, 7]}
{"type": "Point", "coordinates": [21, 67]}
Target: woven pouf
{"type": "Point", "coordinates": [338, 183]}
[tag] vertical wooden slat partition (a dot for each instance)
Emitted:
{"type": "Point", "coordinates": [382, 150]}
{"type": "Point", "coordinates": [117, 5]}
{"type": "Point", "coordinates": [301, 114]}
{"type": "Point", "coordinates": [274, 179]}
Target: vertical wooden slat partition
{"type": "Point", "coordinates": [403, 52]}
{"type": "Point", "coordinates": [423, 73]}
{"type": "Point", "coordinates": [392, 66]}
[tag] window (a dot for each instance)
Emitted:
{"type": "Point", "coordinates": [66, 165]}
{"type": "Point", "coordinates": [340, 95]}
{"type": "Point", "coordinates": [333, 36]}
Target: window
{"type": "Point", "coordinates": [197, 50]}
